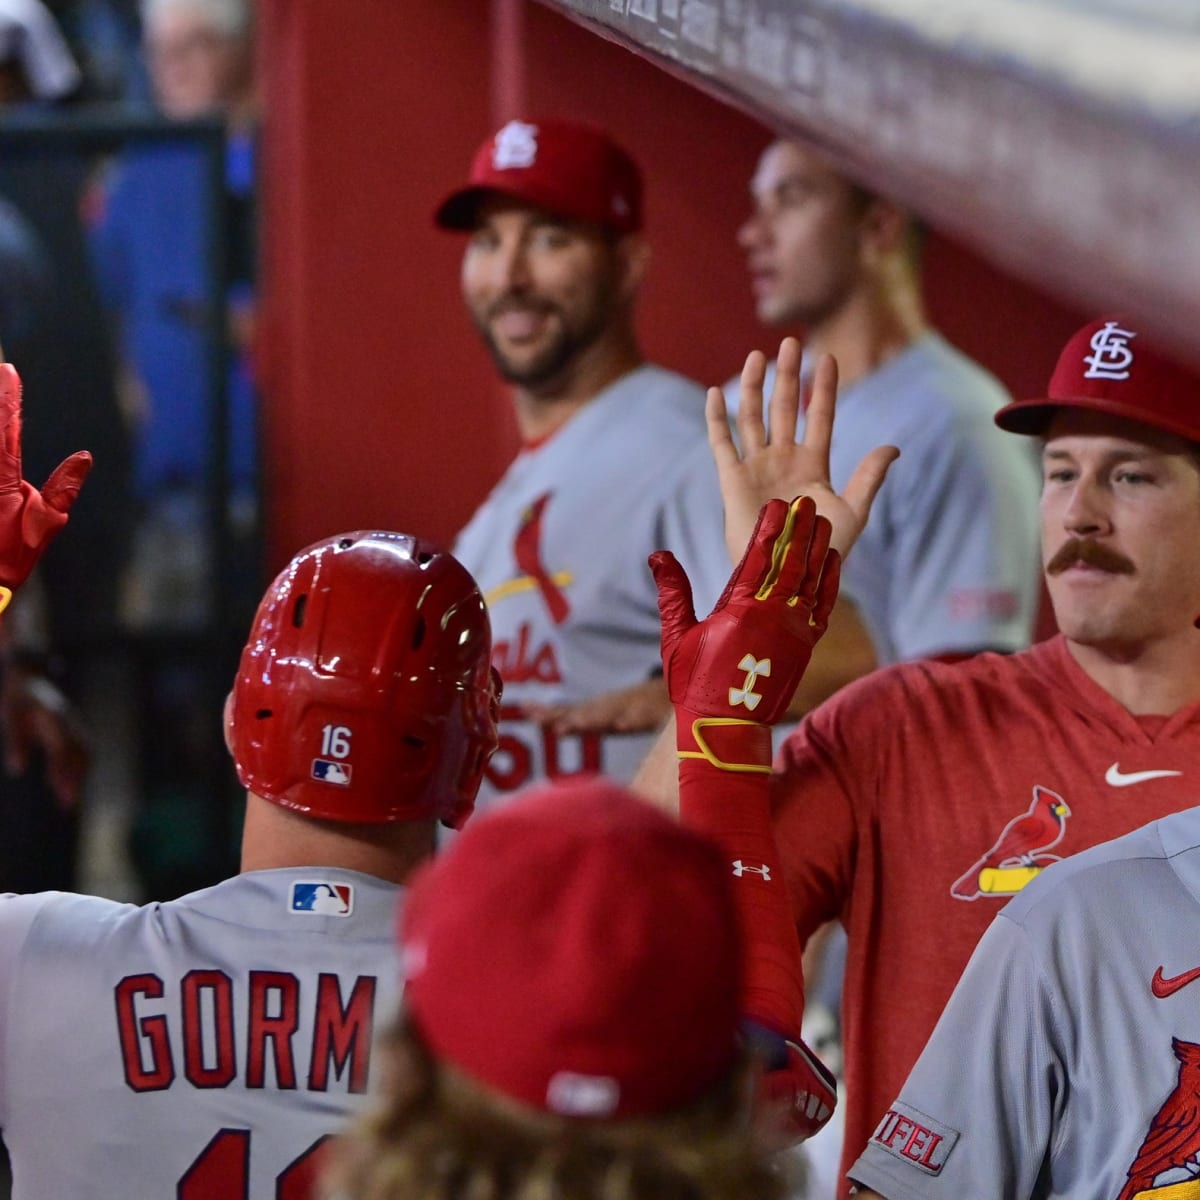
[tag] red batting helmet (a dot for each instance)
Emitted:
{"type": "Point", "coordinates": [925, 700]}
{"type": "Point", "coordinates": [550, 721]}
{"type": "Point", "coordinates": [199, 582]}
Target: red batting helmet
{"type": "Point", "coordinates": [365, 691]}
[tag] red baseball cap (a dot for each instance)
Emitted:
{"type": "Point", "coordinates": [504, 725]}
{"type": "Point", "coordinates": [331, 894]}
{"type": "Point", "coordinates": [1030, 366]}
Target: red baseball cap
{"type": "Point", "coordinates": [1111, 366]}
{"type": "Point", "coordinates": [569, 168]}
{"type": "Point", "coordinates": [577, 951]}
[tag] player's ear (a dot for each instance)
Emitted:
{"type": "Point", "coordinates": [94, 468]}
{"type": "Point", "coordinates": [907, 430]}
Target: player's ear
{"type": "Point", "coordinates": [227, 722]}
{"type": "Point", "coordinates": [633, 259]}
{"type": "Point", "coordinates": [884, 229]}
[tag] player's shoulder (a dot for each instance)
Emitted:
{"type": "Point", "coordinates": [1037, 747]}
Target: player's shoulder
{"type": "Point", "coordinates": [1116, 875]}
{"type": "Point", "coordinates": [293, 901]}
{"type": "Point", "coordinates": [920, 681]}
{"type": "Point", "coordinates": [658, 408]}
{"type": "Point", "coordinates": [67, 920]}
{"type": "Point", "coordinates": [660, 394]}
{"type": "Point", "coordinates": [942, 393]}
{"type": "Point", "coordinates": [68, 905]}
{"type": "Point", "coordinates": [949, 373]}
{"type": "Point", "coordinates": [903, 711]}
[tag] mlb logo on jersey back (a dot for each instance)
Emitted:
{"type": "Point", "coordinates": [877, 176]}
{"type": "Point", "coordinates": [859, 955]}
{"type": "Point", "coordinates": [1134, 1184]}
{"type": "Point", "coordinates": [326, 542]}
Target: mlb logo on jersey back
{"type": "Point", "coordinates": [328, 771]}
{"type": "Point", "coordinates": [324, 899]}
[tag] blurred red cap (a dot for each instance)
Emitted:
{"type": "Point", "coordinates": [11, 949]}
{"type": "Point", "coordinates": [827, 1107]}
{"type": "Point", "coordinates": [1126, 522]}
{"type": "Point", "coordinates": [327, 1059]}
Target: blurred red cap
{"type": "Point", "coordinates": [577, 951]}
{"type": "Point", "coordinates": [570, 169]}
{"type": "Point", "coordinates": [1110, 366]}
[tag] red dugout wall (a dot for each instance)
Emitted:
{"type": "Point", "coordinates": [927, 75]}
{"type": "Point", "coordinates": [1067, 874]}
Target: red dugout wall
{"type": "Point", "coordinates": [381, 407]}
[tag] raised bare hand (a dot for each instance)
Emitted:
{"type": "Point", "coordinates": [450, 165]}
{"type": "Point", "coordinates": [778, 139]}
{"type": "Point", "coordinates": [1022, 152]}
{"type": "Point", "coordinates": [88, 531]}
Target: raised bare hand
{"type": "Point", "coordinates": [773, 465]}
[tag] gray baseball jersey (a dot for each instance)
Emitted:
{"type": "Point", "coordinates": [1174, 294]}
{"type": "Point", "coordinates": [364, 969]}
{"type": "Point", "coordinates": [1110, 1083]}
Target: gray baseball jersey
{"type": "Point", "coordinates": [195, 1049]}
{"type": "Point", "coordinates": [948, 562]}
{"type": "Point", "coordinates": [1067, 1063]}
{"type": "Point", "coordinates": [559, 550]}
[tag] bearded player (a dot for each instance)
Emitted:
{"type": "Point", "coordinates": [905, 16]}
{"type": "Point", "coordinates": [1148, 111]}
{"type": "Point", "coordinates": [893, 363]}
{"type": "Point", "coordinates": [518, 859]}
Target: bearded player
{"type": "Point", "coordinates": [614, 461]}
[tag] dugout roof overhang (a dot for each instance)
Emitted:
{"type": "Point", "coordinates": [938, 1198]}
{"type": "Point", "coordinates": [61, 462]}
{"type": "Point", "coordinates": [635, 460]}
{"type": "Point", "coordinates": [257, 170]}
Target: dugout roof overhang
{"type": "Point", "coordinates": [1060, 138]}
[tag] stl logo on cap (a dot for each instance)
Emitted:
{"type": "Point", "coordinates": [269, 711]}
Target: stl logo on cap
{"type": "Point", "coordinates": [515, 146]}
{"type": "Point", "coordinates": [1112, 356]}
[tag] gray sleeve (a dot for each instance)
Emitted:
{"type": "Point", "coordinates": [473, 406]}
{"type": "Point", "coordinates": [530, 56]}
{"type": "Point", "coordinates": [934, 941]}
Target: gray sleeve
{"type": "Point", "coordinates": [17, 915]}
{"type": "Point", "coordinates": [693, 528]}
{"type": "Point", "coordinates": [964, 564]}
{"type": "Point", "coordinates": [977, 1114]}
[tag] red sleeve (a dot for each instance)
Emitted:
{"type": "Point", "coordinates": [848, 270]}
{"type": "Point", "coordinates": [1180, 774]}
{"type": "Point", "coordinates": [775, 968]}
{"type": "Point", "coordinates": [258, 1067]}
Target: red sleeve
{"type": "Point", "coordinates": [823, 798]}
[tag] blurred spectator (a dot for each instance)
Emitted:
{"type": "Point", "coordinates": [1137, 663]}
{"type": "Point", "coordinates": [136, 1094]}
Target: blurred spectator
{"type": "Point", "coordinates": [105, 37]}
{"type": "Point", "coordinates": [25, 277]}
{"type": "Point", "coordinates": [51, 323]}
{"type": "Point", "coordinates": [151, 244]}
{"type": "Point", "coordinates": [152, 228]}
{"type": "Point", "coordinates": [35, 61]}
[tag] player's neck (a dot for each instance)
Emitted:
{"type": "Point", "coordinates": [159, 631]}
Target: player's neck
{"type": "Point", "coordinates": [876, 323]}
{"type": "Point", "coordinates": [1153, 678]}
{"type": "Point", "coordinates": [543, 410]}
{"type": "Point", "coordinates": [274, 838]}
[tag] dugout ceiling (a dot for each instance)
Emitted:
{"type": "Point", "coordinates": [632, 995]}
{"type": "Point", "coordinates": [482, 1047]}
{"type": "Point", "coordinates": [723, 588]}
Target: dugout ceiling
{"type": "Point", "coordinates": [1061, 138]}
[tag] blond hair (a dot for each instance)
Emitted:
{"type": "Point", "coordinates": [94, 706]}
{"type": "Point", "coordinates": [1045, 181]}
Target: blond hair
{"type": "Point", "coordinates": [436, 1135]}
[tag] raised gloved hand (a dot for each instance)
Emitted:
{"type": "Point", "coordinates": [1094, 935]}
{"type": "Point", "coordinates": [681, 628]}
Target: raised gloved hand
{"type": "Point", "coordinates": [733, 674]}
{"type": "Point", "coordinates": [730, 677]}
{"type": "Point", "coordinates": [29, 519]}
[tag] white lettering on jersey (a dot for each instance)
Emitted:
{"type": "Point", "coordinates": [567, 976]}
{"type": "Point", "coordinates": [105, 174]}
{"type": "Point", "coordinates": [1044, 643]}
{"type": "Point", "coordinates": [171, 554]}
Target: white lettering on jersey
{"type": "Point", "coordinates": [754, 667]}
{"type": "Point", "coordinates": [1112, 357]}
{"type": "Point", "coordinates": [515, 146]}
{"type": "Point", "coordinates": [214, 1031]}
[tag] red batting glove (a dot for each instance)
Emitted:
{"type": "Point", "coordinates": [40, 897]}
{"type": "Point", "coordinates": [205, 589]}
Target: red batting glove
{"type": "Point", "coordinates": [730, 677]}
{"type": "Point", "coordinates": [797, 1093]}
{"type": "Point", "coordinates": [29, 519]}
{"type": "Point", "coordinates": [733, 674]}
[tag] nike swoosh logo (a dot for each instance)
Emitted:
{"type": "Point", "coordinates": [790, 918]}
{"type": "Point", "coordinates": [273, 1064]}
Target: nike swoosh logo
{"type": "Point", "coordinates": [1163, 987]}
{"type": "Point", "coordinates": [1115, 777]}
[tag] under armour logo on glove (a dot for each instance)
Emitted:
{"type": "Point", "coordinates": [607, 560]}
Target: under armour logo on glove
{"type": "Point", "coordinates": [777, 600]}
{"type": "Point", "coordinates": [29, 519]}
{"type": "Point", "coordinates": [754, 667]}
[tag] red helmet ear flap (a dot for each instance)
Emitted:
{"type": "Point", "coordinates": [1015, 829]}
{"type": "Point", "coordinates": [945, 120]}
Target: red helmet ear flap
{"type": "Point", "coordinates": [495, 696]}
{"type": "Point", "coordinates": [486, 719]}
{"type": "Point", "coordinates": [364, 691]}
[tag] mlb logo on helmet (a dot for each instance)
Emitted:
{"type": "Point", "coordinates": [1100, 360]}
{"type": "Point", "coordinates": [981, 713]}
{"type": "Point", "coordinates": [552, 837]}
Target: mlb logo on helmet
{"type": "Point", "coordinates": [328, 771]}
{"type": "Point", "coordinates": [324, 899]}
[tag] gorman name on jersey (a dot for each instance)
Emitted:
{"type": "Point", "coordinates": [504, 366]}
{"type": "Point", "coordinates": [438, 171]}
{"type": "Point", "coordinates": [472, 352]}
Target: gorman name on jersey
{"type": "Point", "coordinates": [193, 1033]}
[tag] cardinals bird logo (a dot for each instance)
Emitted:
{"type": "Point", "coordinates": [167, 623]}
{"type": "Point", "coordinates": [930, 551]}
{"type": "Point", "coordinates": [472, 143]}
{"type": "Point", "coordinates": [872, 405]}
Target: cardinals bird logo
{"type": "Point", "coordinates": [1170, 1153]}
{"type": "Point", "coordinates": [1020, 850]}
{"type": "Point", "coordinates": [527, 551]}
